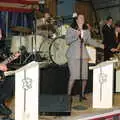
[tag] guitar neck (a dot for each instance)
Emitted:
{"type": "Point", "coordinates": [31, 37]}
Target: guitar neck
{"type": "Point", "coordinates": [8, 60]}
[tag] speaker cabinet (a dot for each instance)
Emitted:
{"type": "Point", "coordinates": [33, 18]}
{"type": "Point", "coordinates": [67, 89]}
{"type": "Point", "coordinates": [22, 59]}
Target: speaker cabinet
{"type": "Point", "coordinates": [55, 104]}
{"type": "Point", "coordinates": [53, 90]}
{"type": "Point", "coordinates": [54, 80]}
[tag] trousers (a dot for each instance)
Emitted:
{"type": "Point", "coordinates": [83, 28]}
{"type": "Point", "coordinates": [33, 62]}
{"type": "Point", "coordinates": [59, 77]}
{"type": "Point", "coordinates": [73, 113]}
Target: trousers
{"type": "Point", "coordinates": [7, 88]}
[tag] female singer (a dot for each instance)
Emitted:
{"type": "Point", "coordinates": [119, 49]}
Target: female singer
{"type": "Point", "coordinates": [77, 36]}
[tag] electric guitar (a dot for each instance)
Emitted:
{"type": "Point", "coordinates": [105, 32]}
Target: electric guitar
{"type": "Point", "coordinates": [3, 64]}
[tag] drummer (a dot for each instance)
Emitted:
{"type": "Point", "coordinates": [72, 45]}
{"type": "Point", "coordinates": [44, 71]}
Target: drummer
{"type": "Point", "coordinates": [45, 25]}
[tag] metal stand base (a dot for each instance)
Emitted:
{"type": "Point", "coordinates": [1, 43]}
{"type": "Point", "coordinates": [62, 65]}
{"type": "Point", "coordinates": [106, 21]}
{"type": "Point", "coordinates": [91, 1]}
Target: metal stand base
{"type": "Point", "coordinates": [32, 57]}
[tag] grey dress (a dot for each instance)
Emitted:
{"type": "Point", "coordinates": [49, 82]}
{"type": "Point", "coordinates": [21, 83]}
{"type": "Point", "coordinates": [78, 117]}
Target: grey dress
{"type": "Point", "coordinates": [73, 53]}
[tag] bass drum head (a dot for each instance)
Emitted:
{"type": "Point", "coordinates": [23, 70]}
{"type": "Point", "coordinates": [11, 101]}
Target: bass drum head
{"type": "Point", "coordinates": [58, 50]}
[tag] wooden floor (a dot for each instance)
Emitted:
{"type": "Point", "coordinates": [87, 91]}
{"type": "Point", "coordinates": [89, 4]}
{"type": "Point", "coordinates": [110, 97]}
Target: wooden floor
{"type": "Point", "coordinates": [76, 112]}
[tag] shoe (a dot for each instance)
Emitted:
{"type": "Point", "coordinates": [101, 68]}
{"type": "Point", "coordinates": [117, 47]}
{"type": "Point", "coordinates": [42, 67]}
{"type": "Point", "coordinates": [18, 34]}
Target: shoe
{"type": "Point", "coordinates": [4, 110]}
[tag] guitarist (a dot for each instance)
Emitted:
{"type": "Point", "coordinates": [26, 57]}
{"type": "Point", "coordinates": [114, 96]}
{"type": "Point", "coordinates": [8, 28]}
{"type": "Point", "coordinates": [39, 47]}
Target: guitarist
{"type": "Point", "coordinates": [6, 86]}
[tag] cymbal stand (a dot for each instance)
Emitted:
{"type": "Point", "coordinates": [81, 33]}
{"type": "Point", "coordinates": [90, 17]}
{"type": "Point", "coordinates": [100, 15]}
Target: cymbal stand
{"type": "Point", "coordinates": [32, 55]}
{"type": "Point", "coordinates": [34, 40]}
{"type": "Point", "coordinates": [20, 46]}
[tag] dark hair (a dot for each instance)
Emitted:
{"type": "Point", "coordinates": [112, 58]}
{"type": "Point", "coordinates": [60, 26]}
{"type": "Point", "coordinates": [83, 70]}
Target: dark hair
{"type": "Point", "coordinates": [74, 24]}
{"type": "Point", "coordinates": [108, 18]}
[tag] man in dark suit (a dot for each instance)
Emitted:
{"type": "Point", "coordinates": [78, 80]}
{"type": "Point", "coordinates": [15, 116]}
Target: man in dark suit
{"type": "Point", "coordinates": [108, 38]}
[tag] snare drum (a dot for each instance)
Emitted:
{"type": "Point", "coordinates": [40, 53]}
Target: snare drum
{"type": "Point", "coordinates": [61, 31]}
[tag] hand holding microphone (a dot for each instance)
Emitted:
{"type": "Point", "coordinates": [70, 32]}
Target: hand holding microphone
{"type": "Point", "coordinates": [78, 32]}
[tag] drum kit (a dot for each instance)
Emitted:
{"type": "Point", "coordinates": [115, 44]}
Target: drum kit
{"type": "Point", "coordinates": [47, 43]}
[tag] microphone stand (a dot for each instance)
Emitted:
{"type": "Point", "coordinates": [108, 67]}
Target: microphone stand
{"type": "Point", "coordinates": [81, 58]}
{"type": "Point", "coordinates": [81, 107]}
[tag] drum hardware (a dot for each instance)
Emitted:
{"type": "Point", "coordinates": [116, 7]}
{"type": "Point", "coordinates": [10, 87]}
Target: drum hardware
{"type": "Point", "coordinates": [33, 56]}
{"type": "Point", "coordinates": [28, 47]}
{"type": "Point", "coordinates": [21, 30]}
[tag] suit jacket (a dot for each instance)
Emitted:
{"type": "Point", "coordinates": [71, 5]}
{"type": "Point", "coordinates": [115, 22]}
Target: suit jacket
{"type": "Point", "coordinates": [73, 40]}
{"type": "Point", "coordinates": [108, 37]}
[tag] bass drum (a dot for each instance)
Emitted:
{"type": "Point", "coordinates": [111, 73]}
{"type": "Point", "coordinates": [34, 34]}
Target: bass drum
{"type": "Point", "coordinates": [58, 48]}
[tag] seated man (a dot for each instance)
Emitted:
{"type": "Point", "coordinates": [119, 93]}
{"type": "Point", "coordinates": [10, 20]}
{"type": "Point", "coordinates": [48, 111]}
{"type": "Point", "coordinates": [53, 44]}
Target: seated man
{"type": "Point", "coordinates": [6, 91]}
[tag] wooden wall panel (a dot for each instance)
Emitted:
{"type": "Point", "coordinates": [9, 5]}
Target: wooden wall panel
{"type": "Point", "coordinates": [52, 5]}
{"type": "Point", "coordinates": [86, 9]}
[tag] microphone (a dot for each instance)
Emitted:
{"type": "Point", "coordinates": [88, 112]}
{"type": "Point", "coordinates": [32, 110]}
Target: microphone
{"type": "Point", "coordinates": [81, 35]}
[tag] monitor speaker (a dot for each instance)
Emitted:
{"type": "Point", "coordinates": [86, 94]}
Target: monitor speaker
{"type": "Point", "coordinates": [59, 104]}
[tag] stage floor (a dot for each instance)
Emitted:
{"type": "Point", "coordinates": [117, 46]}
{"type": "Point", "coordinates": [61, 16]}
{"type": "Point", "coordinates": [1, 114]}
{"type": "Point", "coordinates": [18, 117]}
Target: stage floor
{"type": "Point", "coordinates": [76, 114]}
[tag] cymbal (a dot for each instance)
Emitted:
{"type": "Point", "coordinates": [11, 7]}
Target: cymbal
{"type": "Point", "coordinates": [48, 27]}
{"type": "Point", "coordinates": [21, 29]}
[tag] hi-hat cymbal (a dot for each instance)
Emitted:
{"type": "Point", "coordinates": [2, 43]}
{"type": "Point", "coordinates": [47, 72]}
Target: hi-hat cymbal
{"type": "Point", "coordinates": [21, 29]}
